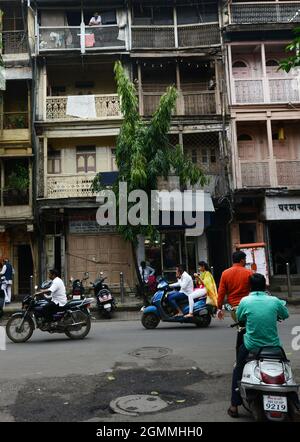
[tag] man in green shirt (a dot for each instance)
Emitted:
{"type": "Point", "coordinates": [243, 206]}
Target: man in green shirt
{"type": "Point", "coordinates": [260, 312]}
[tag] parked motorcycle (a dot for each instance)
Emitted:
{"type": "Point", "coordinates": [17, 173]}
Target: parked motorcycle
{"type": "Point", "coordinates": [73, 319]}
{"type": "Point", "coordinates": [78, 291]}
{"type": "Point", "coordinates": [160, 310]}
{"type": "Point", "coordinates": [105, 300]}
{"type": "Point", "coordinates": [267, 388]}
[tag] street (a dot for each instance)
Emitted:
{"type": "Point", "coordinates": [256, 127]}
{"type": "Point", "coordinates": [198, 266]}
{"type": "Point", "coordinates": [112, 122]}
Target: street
{"type": "Point", "coordinates": [53, 378]}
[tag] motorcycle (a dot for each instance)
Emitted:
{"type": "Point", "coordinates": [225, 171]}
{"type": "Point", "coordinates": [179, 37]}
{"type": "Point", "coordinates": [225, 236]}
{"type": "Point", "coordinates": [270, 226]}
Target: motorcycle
{"type": "Point", "coordinates": [78, 291]}
{"type": "Point", "coordinates": [105, 300]}
{"type": "Point", "coordinates": [267, 388]}
{"type": "Point", "coordinates": [73, 319]}
{"type": "Point", "coordinates": [160, 310]}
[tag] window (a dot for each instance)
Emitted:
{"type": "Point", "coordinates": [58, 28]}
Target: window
{"type": "Point", "coordinates": [248, 233]}
{"type": "Point", "coordinates": [86, 159]}
{"type": "Point", "coordinates": [54, 161]}
{"type": "Point", "coordinates": [148, 15]}
{"type": "Point", "coordinates": [244, 137]}
{"type": "Point", "coordinates": [272, 63]}
{"type": "Point", "coordinates": [198, 13]}
{"type": "Point", "coordinates": [239, 64]}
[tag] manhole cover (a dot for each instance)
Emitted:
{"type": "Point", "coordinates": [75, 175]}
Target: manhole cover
{"type": "Point", "coordinates": [151, 352]}
{"type": "Point", "coordinates": [134, 404]}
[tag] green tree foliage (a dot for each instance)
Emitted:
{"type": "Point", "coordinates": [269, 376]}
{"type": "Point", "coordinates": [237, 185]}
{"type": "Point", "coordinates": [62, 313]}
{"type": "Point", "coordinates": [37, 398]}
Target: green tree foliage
{"type": "Point", "coordinates": [293, 60]}
{"type": "Point", "coordinates": [143, 151]}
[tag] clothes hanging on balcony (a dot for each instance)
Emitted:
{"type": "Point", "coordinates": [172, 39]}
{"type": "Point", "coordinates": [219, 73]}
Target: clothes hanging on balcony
{"type": "Point", "coordinates": [122, 22]}
{"type": "Point", "coordinates": [89, 40]}
{"type": "Point", "coordinates": [81, 106]}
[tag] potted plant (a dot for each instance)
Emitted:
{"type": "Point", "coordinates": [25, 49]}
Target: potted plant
{"type": "Point", "coordinates": [16, 189]}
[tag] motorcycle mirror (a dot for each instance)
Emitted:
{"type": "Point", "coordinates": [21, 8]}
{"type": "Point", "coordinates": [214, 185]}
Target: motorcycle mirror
{"type": "Point", "coordinates": [228, 307]}
{"type": "Point", "coordinates": [36, 287]}
{"type": "Point", "coordinates": [101, 273]}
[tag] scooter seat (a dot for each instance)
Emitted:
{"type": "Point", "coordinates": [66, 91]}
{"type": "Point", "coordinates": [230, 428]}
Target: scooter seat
{"type": "Point", "coordinates": [268, 353]}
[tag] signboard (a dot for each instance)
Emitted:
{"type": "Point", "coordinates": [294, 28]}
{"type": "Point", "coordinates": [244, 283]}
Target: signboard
{"type": "Point", "coordinates": [88, 226]}
{"type": "Point", "coordinates": [256, 258]}
{"type": "Point", "coordinates": [282, 208]}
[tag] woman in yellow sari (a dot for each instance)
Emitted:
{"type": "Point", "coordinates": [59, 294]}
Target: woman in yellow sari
{"type": "Point", "coordinates": [205, 277]}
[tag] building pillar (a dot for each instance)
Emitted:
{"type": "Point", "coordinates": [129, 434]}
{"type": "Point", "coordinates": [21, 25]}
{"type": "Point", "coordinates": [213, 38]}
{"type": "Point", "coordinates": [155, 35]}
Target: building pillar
{"type": "Point", "coordinates": [272, 161]}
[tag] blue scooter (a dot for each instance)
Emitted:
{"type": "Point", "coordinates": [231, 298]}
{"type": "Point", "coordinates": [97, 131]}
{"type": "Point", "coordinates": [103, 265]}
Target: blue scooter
{"type": "Point", "coordinates": [160, 310]}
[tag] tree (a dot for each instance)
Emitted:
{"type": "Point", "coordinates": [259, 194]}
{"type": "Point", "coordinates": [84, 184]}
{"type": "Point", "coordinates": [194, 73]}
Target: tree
{"type": "Point", "coordinates": [294, 49]}
{"type": "Point", "coordinates": [144, 153]}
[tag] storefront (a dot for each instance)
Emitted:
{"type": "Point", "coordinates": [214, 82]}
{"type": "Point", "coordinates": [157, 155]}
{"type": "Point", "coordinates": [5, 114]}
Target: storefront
{"type": "Point", "coordinates": [282, 215]}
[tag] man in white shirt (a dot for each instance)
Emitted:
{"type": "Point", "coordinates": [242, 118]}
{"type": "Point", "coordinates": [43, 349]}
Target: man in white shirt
{"type": "Point", "coordinates": [145, 272]}
{"type": "Point", "coordinates": [95, 20]}
{"type": "Point", "coordinates": [57, 294]}
{"type": "Point", "coordinates": [185, 282]}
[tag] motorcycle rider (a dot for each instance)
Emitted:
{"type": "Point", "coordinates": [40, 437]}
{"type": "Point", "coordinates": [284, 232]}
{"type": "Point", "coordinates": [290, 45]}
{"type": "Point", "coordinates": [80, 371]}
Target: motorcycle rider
{"type": "Point", "coordinates": [57, 293]}
{"type": "Point", "coordinates": [260, 312]}
{"type": "Point", "coordinates": [235, 284]}
{"type": "Point", "coordinates": [185, 282]}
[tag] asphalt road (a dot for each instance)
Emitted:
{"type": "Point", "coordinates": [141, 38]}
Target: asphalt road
{"type": "Point", "coordinates": [53, 378]}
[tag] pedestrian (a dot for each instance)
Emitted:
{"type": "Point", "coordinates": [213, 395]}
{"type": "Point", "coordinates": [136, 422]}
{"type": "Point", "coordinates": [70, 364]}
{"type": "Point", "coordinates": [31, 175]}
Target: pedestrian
{"type": "Point", "coordinates": [205, 285]}
{"type": "Point", "coordinates": [260, 313]}
{"type": "Point", "coordinates": [234, 284]}
{"type": "Point", "coordinates": [186, 285]}
{"type": "Point", "coordinates": [145, 272]}
{"type": "Point", "coordinates": [6, 276]}
{"type": "Point", "coordinates": [56, 294]}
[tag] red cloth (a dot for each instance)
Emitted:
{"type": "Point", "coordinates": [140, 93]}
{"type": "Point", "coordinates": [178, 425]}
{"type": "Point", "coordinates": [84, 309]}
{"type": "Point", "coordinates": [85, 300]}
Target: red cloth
{"type": "Point", "coordinates": [235, 284]}
{"type": "Point", "coordinates": [90, 40]}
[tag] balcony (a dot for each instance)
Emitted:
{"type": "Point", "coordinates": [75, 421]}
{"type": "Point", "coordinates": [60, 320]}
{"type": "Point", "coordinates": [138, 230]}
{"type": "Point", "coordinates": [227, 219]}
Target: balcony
{"type": "Point", "coordinates": [79, 38]}
{"type": "Point", "coordinates": [172, 37]}
{"type": "Point", "coordinates": [255, 174]}
{"type": "Point", "coordinates": [288, 173]}
{"type": "Point", "coordinates": [264, 12]}
{"type": "Point", "coordinates": [14, 42]}
{"type": "Point", "coordinates": [69, 186]}
{"type": "Point", "coordinates": [266, 90]}
{"type": "Point", "coordinates": [189, 103]}
{"type": "Point", "coordinates": [106, 107]}
{"type": "Point", "coordinates": [14, 127]}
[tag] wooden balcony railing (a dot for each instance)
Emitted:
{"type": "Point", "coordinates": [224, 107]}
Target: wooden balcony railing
{"type": "Point", "coordinates": [14, 42]}
{"type": "Point", "coordinates": [107, 107]}
{"type": "Point", "coordinates": [188, 103]}
{"type": "Point", "coordinates": [266, 90]}
{"type": "Point", "coordinates": [288, 173]}
{"type": "Point", "coordinates": [69, 186]}
{"type": "Point", "coordinates": [255, 173]}
{"type": "Point", "coordinates": [14, 120]}
{"type": "Point", "coordinates": [82, 38]}
{"type": "Point", "coordinates": [265, 12]}
{"type": "Point", "coordinates": [172, 37]}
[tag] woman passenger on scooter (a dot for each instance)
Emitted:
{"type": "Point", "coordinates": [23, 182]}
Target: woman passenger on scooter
{"type": "Point", "coordinates": [205, 285]}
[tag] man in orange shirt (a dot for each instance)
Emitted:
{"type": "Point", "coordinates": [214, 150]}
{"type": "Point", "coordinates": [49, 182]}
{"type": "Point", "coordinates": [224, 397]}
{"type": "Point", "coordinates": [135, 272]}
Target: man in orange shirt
{"type": "Point", "coordinates": [235, 283]}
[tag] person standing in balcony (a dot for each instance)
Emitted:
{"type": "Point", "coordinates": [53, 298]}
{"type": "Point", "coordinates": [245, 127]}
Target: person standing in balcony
{"type": "Point", "coordinates": [95, 20]}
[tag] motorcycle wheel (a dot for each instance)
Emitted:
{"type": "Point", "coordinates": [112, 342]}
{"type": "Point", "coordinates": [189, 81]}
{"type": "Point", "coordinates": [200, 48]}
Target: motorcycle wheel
{"type": "Point", "coordinates": [202, 321]}
{"type": "Point", "coordinates": [107, 315]}
{"type": "Point", "coordinates": [257, 410]}
{"type": "Point", "coordinates": [150, 320]}
{"type": "Point", "coordinates": [19, 336]}
{"type": "Point", "coordinates": [82, 332]}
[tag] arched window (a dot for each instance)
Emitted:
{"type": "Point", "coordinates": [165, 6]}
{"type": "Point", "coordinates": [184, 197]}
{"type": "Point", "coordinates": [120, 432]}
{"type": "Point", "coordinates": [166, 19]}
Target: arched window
{"type": "Point", "coordinates": [239, 64]}
{"type": "Point", "coordinates": [244, 137]}
{"type": "Point", "coordinates": [272, 63]}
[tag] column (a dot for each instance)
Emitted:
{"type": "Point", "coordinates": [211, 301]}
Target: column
{"type": "Point", "coordinates": [141, 96]}
{"type": "Point", "coordinates": [231, 81]}
{"type": "Point", "coordinates": [180, 100]}
{"type": "Point", "coordinates": [2, 183]}
{"type": "Point", "coordinates": [217, 89]}
{"type": "Point", "coordinates": [175, 26]}
{"type": "Point", "coordinates": [236, 166]}
{"type": "Point", "coordinates": [266, 90]}
{"type": "Point", "coordinates": [45, 167]}
{"type": "Point", "coordinates": [272, 161]}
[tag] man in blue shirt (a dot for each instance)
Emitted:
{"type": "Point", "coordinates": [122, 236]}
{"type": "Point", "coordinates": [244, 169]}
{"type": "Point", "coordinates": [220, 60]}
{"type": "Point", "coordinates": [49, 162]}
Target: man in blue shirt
{"type": "Point", "coordinates": [260, 312]}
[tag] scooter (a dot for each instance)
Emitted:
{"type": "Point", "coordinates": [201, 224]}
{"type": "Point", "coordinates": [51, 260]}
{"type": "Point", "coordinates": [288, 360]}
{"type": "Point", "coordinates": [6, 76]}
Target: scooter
{"type": "Point", "coordinates": [160, 310]}
{"type": "Point", "coordinates": [105, 300]}
{"type": "Point", "coordinates": [78, 291]}
{"type": "Point", "coordinates": [267, 388]}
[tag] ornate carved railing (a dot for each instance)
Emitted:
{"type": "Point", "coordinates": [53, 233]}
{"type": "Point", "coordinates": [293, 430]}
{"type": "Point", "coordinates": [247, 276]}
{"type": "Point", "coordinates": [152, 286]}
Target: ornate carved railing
{"type": "Point", "coordinates": [265, 12]}
{"type": "Point", "coordinates": [266, 90]}
{"type": "Point", "coordinates": [107, 107]}
{"type": "Point", "coordinates": [255, 174]}
{"type": "Point", "coordinates": [284, 90]}
{"type": "Point", "coordinates": [69, 186]}
{"type": "Point", "coordinates": [288, 173]}
{"type": "Point", "coordinates": [14, 42]}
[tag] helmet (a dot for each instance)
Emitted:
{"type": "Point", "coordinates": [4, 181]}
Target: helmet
{"type": "Point", "coordinates": [46, 284]}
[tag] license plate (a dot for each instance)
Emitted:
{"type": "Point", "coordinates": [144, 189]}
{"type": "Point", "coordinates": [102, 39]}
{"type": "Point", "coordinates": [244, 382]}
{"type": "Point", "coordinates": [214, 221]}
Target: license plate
{"type": "Point", "coordinates": [275, 403]}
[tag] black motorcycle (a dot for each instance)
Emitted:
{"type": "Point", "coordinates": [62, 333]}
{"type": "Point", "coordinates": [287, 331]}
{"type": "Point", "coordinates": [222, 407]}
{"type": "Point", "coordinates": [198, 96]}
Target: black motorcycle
{"type": "Point", "coordinates": [77, 291]}
{"type": "Point", "coordinates": [73, 319]}
{"type": "Point", "coordinates": [105, 300]}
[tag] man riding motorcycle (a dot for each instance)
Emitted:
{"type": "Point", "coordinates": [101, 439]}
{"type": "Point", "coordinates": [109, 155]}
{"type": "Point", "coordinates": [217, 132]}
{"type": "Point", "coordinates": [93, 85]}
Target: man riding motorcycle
{"type": "Point", "coordinates": [57, 293]}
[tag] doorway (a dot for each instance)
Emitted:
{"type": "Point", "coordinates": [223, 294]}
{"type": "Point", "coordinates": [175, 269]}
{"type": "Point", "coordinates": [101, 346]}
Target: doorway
{"type": "Point", "coordinates": [25, 269]}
